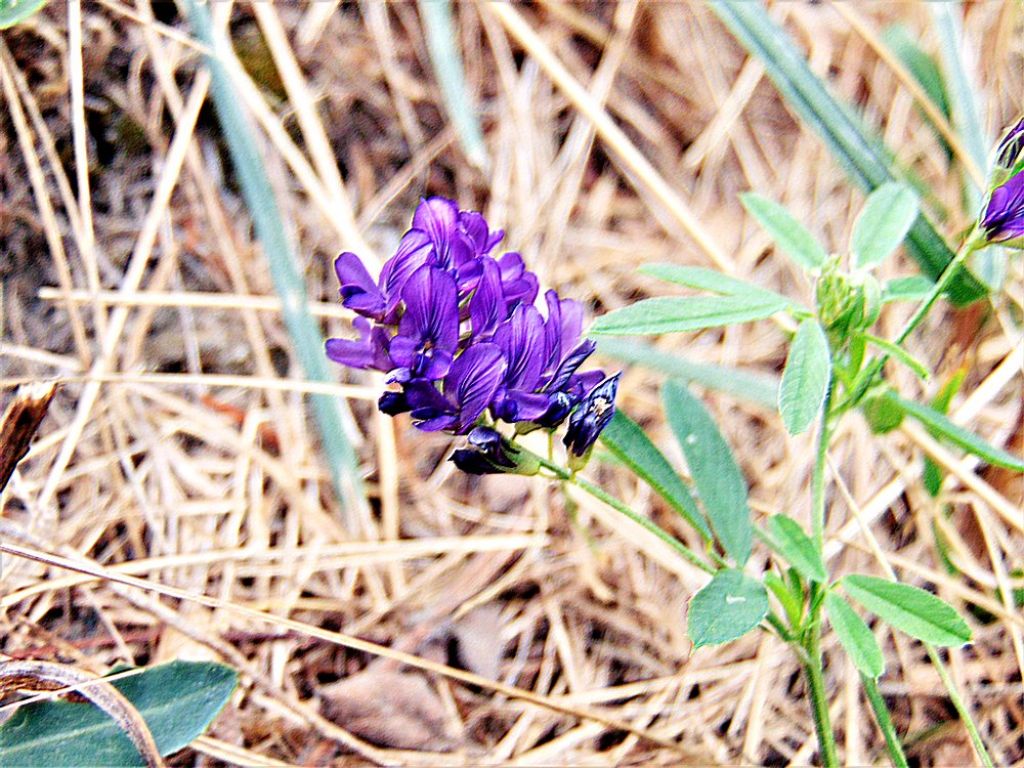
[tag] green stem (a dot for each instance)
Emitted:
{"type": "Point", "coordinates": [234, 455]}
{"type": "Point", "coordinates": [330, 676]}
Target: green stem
{"type": "Point", "coordinates": [818, 476]}
{"type": "Point", "coordinates": [819, 696]}
{"type": "Point", "coordinates": [812, 636]}
{"type": "Point", "coordinates": [961, 706]}
{"type": "Point", "coordinates": [571, 477]}
{"type": "Point", "coordinates": [884, 720]}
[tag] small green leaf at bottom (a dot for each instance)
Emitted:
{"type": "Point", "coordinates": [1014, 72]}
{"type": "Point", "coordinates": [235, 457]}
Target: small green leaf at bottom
{"type": "Point", "coordinates": [909, 609]}
{"type": "Point", "coordinates": [178, 701]}
{"type": "Point", "coordinates": [730, 605]}
{"type": "Point", "coordinates": [855, 636]}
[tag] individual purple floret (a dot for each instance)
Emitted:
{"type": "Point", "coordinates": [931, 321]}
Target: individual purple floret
{"type": "Point", "coordinates": [591, 417]}
{"type": "Point", "coordinates": [1003, 219]}
{"type": "Point", "coordinates": [457, 330]}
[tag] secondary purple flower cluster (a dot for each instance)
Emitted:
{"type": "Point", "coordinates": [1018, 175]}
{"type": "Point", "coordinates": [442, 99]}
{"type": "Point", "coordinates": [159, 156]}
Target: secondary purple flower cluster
{"type": "Point", "coordinates": [1003, 219]}
{"type": "Point", "coordinates": [458, 331]}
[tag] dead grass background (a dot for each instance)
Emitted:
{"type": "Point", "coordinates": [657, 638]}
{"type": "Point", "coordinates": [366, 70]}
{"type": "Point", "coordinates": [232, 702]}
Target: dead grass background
{"type": "Point", "coordinates": [127, 253]}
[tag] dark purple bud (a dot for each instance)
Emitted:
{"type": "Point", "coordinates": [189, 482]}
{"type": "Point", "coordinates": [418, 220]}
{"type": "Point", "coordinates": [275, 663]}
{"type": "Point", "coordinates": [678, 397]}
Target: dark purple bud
{"type": "Point", "coordinates": [1004, 215]}
{"type": "Point", "coordinates": [490, 453]}
{"type": "Point", "coordinates": [1011, 148]}
{"type": "Point", "coordinates": [358, 291]}
{"type": "Point", "coordinates": [429, 329]}
{"type": "Point", "coordinates": [369, 352]}
{"type": "Point", "coordinates": [591, 417]}
{"type": "Point", "coordinates": [393, 403]}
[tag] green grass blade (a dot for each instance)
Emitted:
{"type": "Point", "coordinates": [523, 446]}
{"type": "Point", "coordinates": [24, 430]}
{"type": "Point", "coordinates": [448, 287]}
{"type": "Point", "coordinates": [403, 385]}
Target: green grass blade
{"type": "Point", "coordinates": [266, 216]}
{"type": "Point", "coordinates": [443, 45]}
{"type": "Point", "coordinates": [860, 153]}
{"type": "Point", "coordinates": [990, 263]}
{"type": "Point", "coordinates": [758, 388]}
{"type": "Point", "coordinates": [961, 90]}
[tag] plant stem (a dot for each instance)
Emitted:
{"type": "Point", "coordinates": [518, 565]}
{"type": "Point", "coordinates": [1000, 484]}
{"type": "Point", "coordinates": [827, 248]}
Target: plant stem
{"type": "Point", "coordinates": [819, 696]}
{"type": "Point", "coordinates": [818, 475]}
{"type": "Point", "coordinates": [960, 705]}
{"type": "Point", "coordinates": [812, 637]}
{"type": "Point", "coordinates": [971, 244]}
{"type": "Point", "coordinates": [885, 725]}
{"type": "Point", "coordinates": [571, 477]}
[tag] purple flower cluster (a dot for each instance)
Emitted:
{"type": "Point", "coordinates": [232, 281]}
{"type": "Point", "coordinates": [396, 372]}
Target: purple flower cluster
{"type": "Point", "coordinates": [458, 331]}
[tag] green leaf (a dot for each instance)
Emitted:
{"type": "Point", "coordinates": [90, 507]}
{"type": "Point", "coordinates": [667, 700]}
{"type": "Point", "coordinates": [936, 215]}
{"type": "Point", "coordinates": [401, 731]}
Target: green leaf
{"type": "Point", "coordinates": [16, 11]}
{"type": "Point", "coordinates": [906, 289]}
{"type": "Point", "coordinates": [855, 636]}
{"type": "Point", "coordinates": [884, 221]}
{"type": "Point", "coordinates": [178, 701]}
{"type": "Point", "coordinates": [788, 233]}
{"type": "Point", "coordinates": [628, 442]}
{"type": "Point", "coordinates": [909, 609]}
{"type": "Point", "coordinates": [786, 537]}
{"type": "Point", "coordinates": [730, 605]}
{"type": "Point", "coordinates": [899, 353]}
{"type": "Point", "coordinates": [677, 315]}
{"type": "Point", "coordinates": [759, 388]}
{"type": "Point", "coordinates": [958, 436]}
{"type": "Point", "coordinates": [707, 280]}
{"type": "Point", "coordinates": [859, 152]}
{"type": "Point", "coordinates": [791, 603]}
{"type": "Point", "coordinates": [720, 484]}
{"type": "Point", "coordinates": [805, 379]}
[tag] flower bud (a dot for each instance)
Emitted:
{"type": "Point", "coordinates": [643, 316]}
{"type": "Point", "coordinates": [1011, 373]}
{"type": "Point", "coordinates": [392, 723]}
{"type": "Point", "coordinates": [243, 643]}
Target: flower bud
{"type": "Point", "coordinates": [1011, 147]}
{"type": "Point", "coordinates": [489, 453]}
{"type": "Point", "coordinates": [589, 419]}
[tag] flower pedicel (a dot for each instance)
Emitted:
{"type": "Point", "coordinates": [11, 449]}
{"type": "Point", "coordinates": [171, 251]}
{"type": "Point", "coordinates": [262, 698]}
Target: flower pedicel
{"type": "Point", "coordinates": [457, 330]}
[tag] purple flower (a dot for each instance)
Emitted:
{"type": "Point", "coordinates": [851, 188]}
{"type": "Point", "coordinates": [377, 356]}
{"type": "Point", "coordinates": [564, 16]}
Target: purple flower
{"type": "Point", "coordinates": [591, 417]}
{"type": "Point", "coordinates": [371, 351]}
{"type": "Point", "coordinates": [429, 329]}
{"type": "Point", "coordinates": [1011, 147]}
{"type": "Point", "coordinates": [1003, 219]}
{"type": "Point", "coordinates": [458, 331]}
{"type": "Point", "coordinates": [358, 290]}
{"type": "Point", "coordinates": [466, 392]}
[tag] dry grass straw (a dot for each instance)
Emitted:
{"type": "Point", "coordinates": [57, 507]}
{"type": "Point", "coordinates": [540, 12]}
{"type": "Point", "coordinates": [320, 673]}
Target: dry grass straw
{"type": "Point", "coordinates": [175, 506]}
